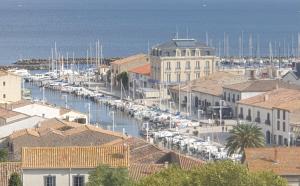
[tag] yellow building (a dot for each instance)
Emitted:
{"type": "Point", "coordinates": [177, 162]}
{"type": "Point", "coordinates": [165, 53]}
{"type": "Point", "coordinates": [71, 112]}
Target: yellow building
{"type": "Point", "coordinates": [181, 60]}
{"type": "Point", "coordinates": [10, 87]}
{"type": "Point", "coordinates": [128, 63]}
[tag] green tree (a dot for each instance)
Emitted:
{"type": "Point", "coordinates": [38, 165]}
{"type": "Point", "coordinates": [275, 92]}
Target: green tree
{"type": "Point", "coordinates": [3, 155]}
{"type": "Point", "coordinates": [244, 136]}
{"type": "Point", "coordinates": [107, 176]}
{"type": "Point", "coordinates": [124, 78]}
{"type": "Point", "coordinates": [171, 176]}
{"type": "Point", "coordinates": [267, 178]}
{"type": "Point", "coordinates": [15, 180]}
{"type": "Point", "coordinates": [221, 173]}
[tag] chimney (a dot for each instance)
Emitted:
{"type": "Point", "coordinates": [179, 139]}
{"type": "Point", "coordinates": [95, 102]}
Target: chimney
{"type": "Point", "coordinates": [266, 97]}
{"type": "Point", "coordinates": [166, 164]}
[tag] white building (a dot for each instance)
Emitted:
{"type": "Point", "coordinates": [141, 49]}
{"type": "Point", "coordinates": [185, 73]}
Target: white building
{"type": "Point", "coordinates": [10, 87]}
{"type": "Point", "coordinates": [49, 111]}
{"type": "Point", "coordinates": [273, 112]}
{"type": "Point", "coordinates": [181, 60]}
{"type": "Point", "coordinates": [203, 93]}
{"type": "Point", "coordinates": [24, 123]}
{"type": "Point", "coordinates": [233, 93]}
{"type": "Point", "coordinates": [51, 166]}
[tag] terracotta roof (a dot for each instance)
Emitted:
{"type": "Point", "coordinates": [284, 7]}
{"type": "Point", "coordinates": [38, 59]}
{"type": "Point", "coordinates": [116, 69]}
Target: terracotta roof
{"type": "Point", "coordinates": [143, 70]}
{"type": "Point", "coordinates": [74, 157]}
{"type": "Point", "coordinates": [59, 124]}
{"type": "Point", "coordinates": [280, 160]}
{"type": "Point", "coordinates": [138, 171]}
{"type": "Point", "coordinates": [260, 85]}
{"type": "Point", "coordinates": [147, 153]}
{"type": "Point", "coordinates": [6, 169]}
{"type": "Point", "coordinates": [4, 113]}
{"type": "Point", "coordinates": [213, 84]}
{"type": "Point", "coordinates": [272, 98]}
{"type": "Point", "coordinates": [83, 135]}
{"type": "Point", "coordinates": [130, 59]}
{"type": "Point", "coordinates": [291, 106]}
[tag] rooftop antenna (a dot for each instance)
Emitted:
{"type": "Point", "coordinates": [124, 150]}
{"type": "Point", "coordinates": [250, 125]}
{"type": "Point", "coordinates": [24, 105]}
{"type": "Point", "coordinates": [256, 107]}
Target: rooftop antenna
{"type": "Point", "coordinates": [176, 33]}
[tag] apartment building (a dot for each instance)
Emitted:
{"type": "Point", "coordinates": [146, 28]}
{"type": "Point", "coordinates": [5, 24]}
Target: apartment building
{"type": "Point", "coordinates": [10, 87]}
{"type": "Point", "coordinates": [181, 60]}
{"type": "Point", "coordinates": [232, 93]}
{"type": "Point", "coordinates": [275, 112]}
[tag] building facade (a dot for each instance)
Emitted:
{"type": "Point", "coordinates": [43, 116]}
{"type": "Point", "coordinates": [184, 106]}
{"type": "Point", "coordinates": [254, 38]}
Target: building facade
{"type": "Point", "coordinates": [181, 60]}
{"type": "Point", "coordinates": [10, 87]}
{"type": "Point", "coordinates": [126, 64]}
{"type": "Point", "coordinates": [273, 113]}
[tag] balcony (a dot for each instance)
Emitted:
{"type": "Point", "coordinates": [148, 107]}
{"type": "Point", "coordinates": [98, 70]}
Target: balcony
{"type": "Point", "coordinates": [257, 120]}
{"type": "Point", "coordinates": [268, 122]}
{"type": "Point", "coordinates": [248, 118]}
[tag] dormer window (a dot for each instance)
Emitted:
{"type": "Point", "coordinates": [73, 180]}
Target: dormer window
{"type": "Point", "coordinates": [188, 52]}
{"type": "Point", "coordinates": [178, 52]}
{"type": "Point", "coordinates": [198, 52]}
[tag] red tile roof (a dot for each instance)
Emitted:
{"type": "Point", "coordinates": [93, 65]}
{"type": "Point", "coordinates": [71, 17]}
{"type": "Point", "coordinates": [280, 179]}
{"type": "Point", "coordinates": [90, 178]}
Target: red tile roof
{"type": "Point", "coordinates": [280, 160]}
{"type": "Point", "coordinates": [143, 70]}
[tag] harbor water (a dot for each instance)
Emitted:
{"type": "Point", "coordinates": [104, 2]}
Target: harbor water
{"type": "Point", "coordinates": [101, 114]}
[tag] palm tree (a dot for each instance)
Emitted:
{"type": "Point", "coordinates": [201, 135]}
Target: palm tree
{"type": "Point", "coordinates": [244, 136]}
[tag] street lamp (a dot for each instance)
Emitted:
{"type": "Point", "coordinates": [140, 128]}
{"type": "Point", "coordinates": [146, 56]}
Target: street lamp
{"type": "Point", "coordinates": [221, 104]}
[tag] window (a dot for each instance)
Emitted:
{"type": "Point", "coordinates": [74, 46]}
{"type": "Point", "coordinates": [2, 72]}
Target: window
{"type": "Point", "coordinates": [169, 77]}
{"type": "Point", "coordinates": [49, 181]}
{"type": "Point", "coordinates": [249, 115]}
{"type": "Point", "coordinates": [278, 114]}
{"type": "Point", "coordinates": [224, 96]}
{"type": "Point", "coordinates": [4, 96]}
{"type": "Point", "coordinates": [197, 64]}
{"type": "Point", "coordinates": [283, 126]}
{"type": "Point", "coordinates": [197, 75]}
{"type": "Point", "coordinates": [283, 115]}
{"type": "Point", "coordinates": [178, 77]}
{"type": "Point", "coordinates": [168, 65]}
{"type": "Point", "coordinates": [241, 115]}
{"type": "Point", "coordinates": [188, 76]}
{"type": "Point", "coordinates": [238, 97]}
{"type": "Point", "coordinates": [188, 65]}
{"type": "Point", "coordinates": [228, 97]}
{"type": "Point", "coordinates": [78, 180]}
{"type": "Point", "coordinates": [178, 65]}
{"type": "Point", "coordinates": [4, 83]}
{"type": "Point", "coordinates": [278, 125]}
{"type": "Point", "coordinates": [233, 98]}
{"type": "Point", "coordinates": [207, 68]}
